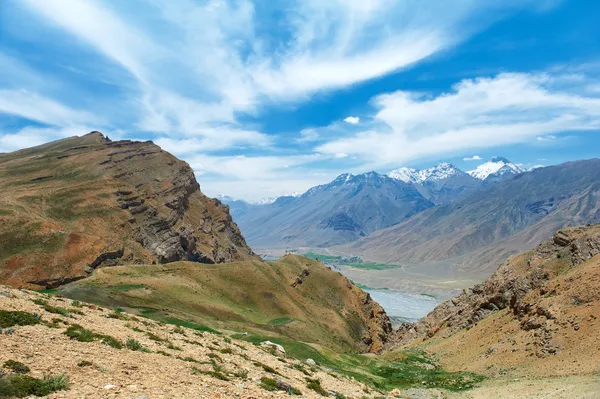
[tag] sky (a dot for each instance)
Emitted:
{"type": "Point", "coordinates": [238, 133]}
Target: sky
{"type": "Point", "coordinates": [267, 98]}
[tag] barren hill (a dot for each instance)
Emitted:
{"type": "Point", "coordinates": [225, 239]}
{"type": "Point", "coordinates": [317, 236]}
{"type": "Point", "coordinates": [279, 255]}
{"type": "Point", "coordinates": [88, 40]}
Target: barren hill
{"type": "Point", "coordinates": [76, 204]}
{"type": "Point", "coordinates": [536, 316]}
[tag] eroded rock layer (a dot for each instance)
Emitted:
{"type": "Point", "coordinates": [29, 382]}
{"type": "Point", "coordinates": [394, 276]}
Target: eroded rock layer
{"type": "Point", "coordinates": [80, 203]}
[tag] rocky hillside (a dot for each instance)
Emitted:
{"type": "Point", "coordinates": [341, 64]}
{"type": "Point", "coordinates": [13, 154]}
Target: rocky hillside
{"type": "Point", "coordinates": [476, 233]}
{"type": "Point", "coordinates": [71, 206]}
{"type": "Point", "coordinates": [538, 314]}
{"type": "Point", "coordinates": [294, 297]}
{"type": "Point", "coordinates": [92, 352]}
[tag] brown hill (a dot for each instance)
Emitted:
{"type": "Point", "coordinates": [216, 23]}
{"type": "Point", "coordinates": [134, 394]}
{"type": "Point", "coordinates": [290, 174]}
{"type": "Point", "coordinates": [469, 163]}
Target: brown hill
{"type": "Point", "coordinates": [536, 316]}
{"type": "Point", "coordinates": [73, 205]}
{"type": "Point", "coordinates": [294, 297]}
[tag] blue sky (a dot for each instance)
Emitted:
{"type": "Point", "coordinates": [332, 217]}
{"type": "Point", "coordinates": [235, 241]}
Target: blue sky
{"type": "Point", "coordinates": [265, 98]}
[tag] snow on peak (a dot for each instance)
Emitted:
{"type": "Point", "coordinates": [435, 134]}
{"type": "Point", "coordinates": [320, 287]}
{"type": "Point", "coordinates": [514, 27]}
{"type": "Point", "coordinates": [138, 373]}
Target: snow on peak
{"type": "Point", "coordinates": [410, 175]}
{"type": "Point", "coordinates": [496, 168]}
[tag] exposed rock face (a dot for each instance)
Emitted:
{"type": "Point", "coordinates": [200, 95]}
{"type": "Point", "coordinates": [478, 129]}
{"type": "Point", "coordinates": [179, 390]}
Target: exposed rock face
{"type": "Point", "coordinates": [526, 286]}
{"type": "Point", "coordinates": [379, 326]}
{"type": "Point", "coordinates": [102, 199]}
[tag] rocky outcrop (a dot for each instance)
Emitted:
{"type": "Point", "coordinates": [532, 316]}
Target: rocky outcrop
{"type": "Point", "coordinates": [106, 197]}
{"type": "Point", "coordinates": [522, 285]}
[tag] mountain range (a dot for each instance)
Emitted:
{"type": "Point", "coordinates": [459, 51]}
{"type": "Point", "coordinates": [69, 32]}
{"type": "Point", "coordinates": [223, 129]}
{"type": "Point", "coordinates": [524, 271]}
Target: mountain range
{"type": "Point", "coordinates": [349, 207]}
{"type": "Point", "coordinates": [353, 206]}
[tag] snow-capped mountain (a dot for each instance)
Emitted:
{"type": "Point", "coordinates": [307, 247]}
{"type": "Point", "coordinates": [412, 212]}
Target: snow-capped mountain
{"type": "Point", "coordinates": [495, 169]}
{"type": "Point", "coordinates": [440, 171]}
{"type": "Point", "coordinates": [441, 184]}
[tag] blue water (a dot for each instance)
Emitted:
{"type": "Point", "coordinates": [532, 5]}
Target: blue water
{"type": "Point", "coordinates": [403, 307]}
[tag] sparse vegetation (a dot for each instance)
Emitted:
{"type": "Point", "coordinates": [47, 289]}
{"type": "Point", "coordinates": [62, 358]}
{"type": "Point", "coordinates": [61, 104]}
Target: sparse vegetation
{"type": "Point", "coordinates": [266, 368]}
{"type": "Point", "coordinates": [315, 385]}
{"type": "Point", "coordinates": [81, 334]}
{"type": "Point", "coordinates": [16, 367]}
{"type": "Point", "coordinates": [214, 374]}
{"type": "Point", "coordinates": [22, 385]}
{"type": "Point", "coordinates": [17, 318]}
{"type": "Point", "coordinates": [135, 345]}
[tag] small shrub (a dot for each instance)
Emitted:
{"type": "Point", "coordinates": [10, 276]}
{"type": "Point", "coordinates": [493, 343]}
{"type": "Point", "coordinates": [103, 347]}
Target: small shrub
{"type": "Point", "coordinates": [315, 385]}
{"type": "Point", "coordinates": [79, 333]}
{"type": "Point", "coordinates": [118, 316]}
{"type": "Point", "coordinates": [240, 373]}
{"type": "Point", "coordinates": [110, 341]}
{"type": "Point", "coordinates": [301, 369]}
{"type": "Point", "coordinates": [16, 367]}
{"type": "Point", "coordinates": [170, 345]}
{"type": "Point", "coordinates": [228, 340]}
{"type": "Point", "coordinates": [268, 384]}
{"type": "Point", "coordinates": [339, 396]}
{"type": "Point", "coordinates": [214, 356]}
{"type": "Point", "coordinates": [16, 318]}
{"type": "Point", "coordinates": [188, 359]}
{"type": "Point", "coordinates": [179, 330]}
{"type": "Point", "coordinates": [21, 385]}
{"type": "Point", "coordinates": [266, 368]}
{"type": "Point", "coordinates": [134, 345]}
{"type": "Point", "coordinates": [155, 337]}
{"type": "Point", "coordinates": [226, 350]}
{"type": "Point", "coordinates": [76, 304]}
{"type": "Point", "coordinates": [85, 363]}
{"type": "Point", "coordinates": [214, 374]}
{"type": "Point", "coordinates": [164, 353]}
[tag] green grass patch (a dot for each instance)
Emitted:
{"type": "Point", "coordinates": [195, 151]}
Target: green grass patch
{"type": "Point", "coordinates": [127, 287]}
{"type": "Point", "coordinates": [281, 321]}
{"type": "Point", "coordinates": [339, 260]}
{"type": "Point", "coordinates": [216, 374]}
{"type": "Point", "coordinates": [190, 324]}
{"type": "Point", "coordinates": [17, 367]}
{"type": "Point", "coordinates": [21, 385]}
{"type": "Point", "coordinates": [315, 385]}
{"type": "Point", "coordinates": [81, 334]}
{"type": "Point", "coordinates": [294, 349]}
{"type": "Point", "coordinates": [16, 318]}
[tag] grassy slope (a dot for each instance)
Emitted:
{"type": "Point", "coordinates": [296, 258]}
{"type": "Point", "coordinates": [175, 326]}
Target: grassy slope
{"type": "Point", "coordinates": [241, 296]}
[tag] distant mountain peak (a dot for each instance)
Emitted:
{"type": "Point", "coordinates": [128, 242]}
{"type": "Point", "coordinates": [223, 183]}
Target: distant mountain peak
{"type": "Point", "coordinates": [442, 170]}
{"type": "Point", "coordinates": [496, 169]}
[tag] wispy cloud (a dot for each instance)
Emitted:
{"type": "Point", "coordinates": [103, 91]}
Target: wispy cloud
{"type": "Point", "coordinates": [187, 73]}
{"type": "Point", "coordinates": [477, 113]}
{"type": "Point", "coordinates": [473, 158]}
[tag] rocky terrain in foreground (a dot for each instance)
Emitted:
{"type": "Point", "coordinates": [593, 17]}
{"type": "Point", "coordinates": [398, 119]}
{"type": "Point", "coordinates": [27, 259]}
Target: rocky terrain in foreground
{"type": "Point", "coordinates": [538, 315]}
{"type": "Point", "coordinates": [110, 354]}
{"type": "Point", "coordinates": [73, 205]}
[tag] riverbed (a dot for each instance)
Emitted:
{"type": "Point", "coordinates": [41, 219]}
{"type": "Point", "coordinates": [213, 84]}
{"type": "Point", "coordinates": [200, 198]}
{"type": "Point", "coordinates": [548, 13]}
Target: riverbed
{"type": "Point", "coordinates": [403, 307]}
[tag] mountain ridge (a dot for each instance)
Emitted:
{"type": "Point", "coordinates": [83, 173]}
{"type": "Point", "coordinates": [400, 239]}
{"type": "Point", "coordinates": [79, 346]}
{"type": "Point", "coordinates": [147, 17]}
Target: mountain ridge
{"type": "Point", "coordinates": [82, 202]}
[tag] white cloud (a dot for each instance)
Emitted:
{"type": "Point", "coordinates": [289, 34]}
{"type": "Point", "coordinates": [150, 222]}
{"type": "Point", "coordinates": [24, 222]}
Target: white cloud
{"type": "Point", "coordinates": [32, 136]}
{"type": "Point", "coordinates": [477, 113]}
{"type": "Point", "coordinates": [38, 108]}
{"type": "Point", "coordinates": [353, 120]}
{"type": "Point", "coordinates": [473, 158]}
{"type": "Point", "coordinates": [549, 137]}
{"type": "Point", "coordinates": [308, 135]}
{"type": "Point", "coordinates": [200, 63]}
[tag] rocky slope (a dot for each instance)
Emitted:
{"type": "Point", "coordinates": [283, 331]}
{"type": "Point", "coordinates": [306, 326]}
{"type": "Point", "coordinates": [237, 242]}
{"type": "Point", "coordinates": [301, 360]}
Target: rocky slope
{"type": "Point", "coordinates": [538, 314]}
{"type": "Point", "coordinates": [107, 354]}
{"type": "Point", "coordinates": [476, 233]}
{"type": "Point", "coordinates": [343, 210]}
{"type": "Point", "coordinates": [76, 204]}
